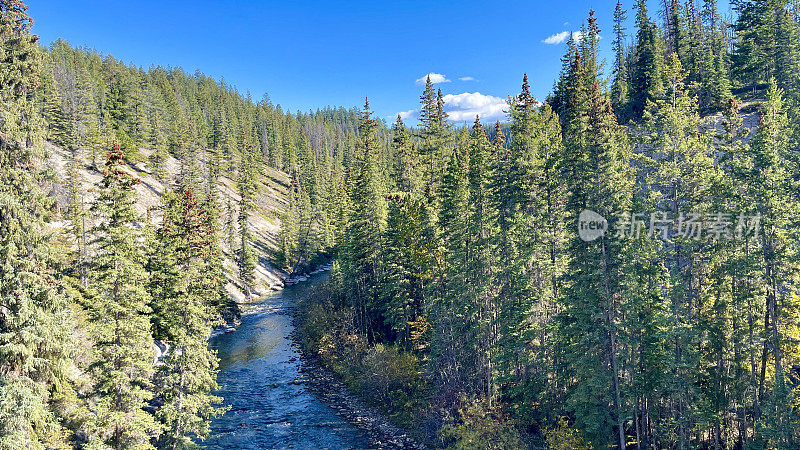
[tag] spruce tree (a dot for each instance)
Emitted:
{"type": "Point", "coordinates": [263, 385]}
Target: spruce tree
{"type": "Point", "coordinates": [481, 268]}
{"type": "Point", "coordinates": [363, 244]}
{"type": "Point", "coordinates": [515, 298]}
{"type": "Point", "coordinates": [57, 129]}
{"type": "Point", "coordinates": [685, 181]}
{"type": "Point", "coordinates": [648, 61]}
{"type": "Point", "coordinates": [34, 320]}
{"type": "Point", "coordinates": [120, 324]}
{"type": "Point", "coordinates": [435, 131]}
{"type": "Point", "coordinates": [159, 155]}
{"type": "Point", "coordinates": [452, 310]}
{"type": "Point", "coordinates": [619, 88]}
{"type": "Point", "coordinates": [767, 46]}
{"type": "Point", "coordinates": [600, 180]}
{"type": "Point", "coordinates": [290, 228]}
{"type": "Point", "coordinates": [77, 214]}
{"type": "Point", "coordinates": [774, 192]}
{"type": "Point", "coordinates": [407, 170]}
{"type": "Point", "coordinates": [408, 259]}
{"type": "Point", "coordinates": [246, 183]}
{"type": "Point", "coordinates": [190, 284]}
{"type": "Point", "coordinates": [745, 281]}
{"type": "Point", "coordinates": [716, 82]}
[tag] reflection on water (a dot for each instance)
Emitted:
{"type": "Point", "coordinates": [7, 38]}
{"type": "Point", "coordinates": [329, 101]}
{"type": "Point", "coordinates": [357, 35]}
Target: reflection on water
{"type": "Point", "coordinates": [260, 379]}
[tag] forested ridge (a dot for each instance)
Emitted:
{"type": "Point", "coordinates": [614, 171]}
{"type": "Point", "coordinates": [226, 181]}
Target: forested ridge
{"type": "Point", "coordinates": [137, 205]}
{"type": "Point", "coordinates": [462, 300]}
{"type": "Point", "coordinates": [464, 303]}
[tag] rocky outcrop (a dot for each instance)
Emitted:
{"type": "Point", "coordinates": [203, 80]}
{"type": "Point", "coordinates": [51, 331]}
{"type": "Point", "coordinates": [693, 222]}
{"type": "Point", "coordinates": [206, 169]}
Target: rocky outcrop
{"type": "Point", "coordinates": [160, 351]}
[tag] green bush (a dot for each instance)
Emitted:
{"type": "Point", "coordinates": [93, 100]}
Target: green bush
{"type": "Point", "coordinates": [479, 426]}
{"type": "Point", "coordinates": [564, 437]}
{"type": "Point", "coordinates": [391, 379]}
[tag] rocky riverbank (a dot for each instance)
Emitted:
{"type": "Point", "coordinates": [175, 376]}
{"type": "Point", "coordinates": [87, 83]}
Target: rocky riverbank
{"type": "Point", "coordinates": [381, 432]}
{"type": "Point", "coordinates": [325, 385]}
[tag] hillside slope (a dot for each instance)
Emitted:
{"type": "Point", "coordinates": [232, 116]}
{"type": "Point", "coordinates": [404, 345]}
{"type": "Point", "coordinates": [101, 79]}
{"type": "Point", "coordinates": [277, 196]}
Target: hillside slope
{"type": "Point", "coordinates": [264, 221]}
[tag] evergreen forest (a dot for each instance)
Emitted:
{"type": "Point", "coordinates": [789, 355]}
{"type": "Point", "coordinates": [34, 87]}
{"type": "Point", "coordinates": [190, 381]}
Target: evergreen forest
{"type": "Point", "coordinates": [140, 209]}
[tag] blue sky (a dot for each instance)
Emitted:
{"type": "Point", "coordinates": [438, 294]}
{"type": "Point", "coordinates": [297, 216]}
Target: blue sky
{"type": "Point", "coordinates": [311, 54]}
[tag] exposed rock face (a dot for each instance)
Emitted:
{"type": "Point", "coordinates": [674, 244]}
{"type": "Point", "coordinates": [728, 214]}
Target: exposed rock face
{"type": "Point", "coordinates": [264, 220]}
{"type": "Point", "coordinates": [160, 351]}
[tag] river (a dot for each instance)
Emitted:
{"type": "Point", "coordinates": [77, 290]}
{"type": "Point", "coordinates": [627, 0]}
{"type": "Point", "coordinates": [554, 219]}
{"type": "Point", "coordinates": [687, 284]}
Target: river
{"type": "Point", "coordinates": [260, 379]}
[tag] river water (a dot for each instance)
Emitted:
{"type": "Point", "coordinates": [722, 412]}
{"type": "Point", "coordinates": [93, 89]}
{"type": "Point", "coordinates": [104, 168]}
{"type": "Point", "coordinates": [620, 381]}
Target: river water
{"type": "Point", "coordinates": [260, 379]}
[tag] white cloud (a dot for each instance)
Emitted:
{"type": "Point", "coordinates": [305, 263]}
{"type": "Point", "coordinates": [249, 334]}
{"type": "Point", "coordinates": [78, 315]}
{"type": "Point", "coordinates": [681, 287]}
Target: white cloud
{"type": "Point", "coordinates": [410, 114]}
{"type": "Point", "coordinates": [464, 107]}
{"type": "Point", "coordinates": [559, 38]}
{"type": "Point", "coordinates": [467, 79]}
{"type": "Point", "coordinates": [435, 78]}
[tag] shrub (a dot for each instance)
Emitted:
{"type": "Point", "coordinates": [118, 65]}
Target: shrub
{"type": "Point", "coordinates": [564, 437]}
{"type": "Point", "coordinates": [479, 426]}
{"type": "Point", "coordinates": [391, 379]}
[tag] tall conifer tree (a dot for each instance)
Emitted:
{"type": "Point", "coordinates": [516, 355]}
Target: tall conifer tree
{"type": "Point", "coordinates": [619, 88]}
{"type": "Point", "coordinates": [33, 315]}
{"type": "Point", "coordinates": [190, 287]}
{"type": "Point", "coordinates": [120, 315]}
{"type": "Point", "coordinates": [774, 191]}
{"type": "Point", "coordinates": [599, 180]}
{"type": "Point", "coordinates": [366, 223]}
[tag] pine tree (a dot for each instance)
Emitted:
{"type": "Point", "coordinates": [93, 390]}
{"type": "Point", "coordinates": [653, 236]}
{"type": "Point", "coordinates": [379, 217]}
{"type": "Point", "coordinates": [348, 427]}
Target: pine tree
{"type": "Point", "coordinates": [34, 319]}
{"type": "Point", "coordinates": [365, 226]}
{"type": "Point", "coordinates": [619, 88]}
{"type": "Point", "coordinates": [190, 283]}
{"type": "Point", "coordinates": [120, 315]}
{"type": "Point", "coordinates": [774, 192]}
